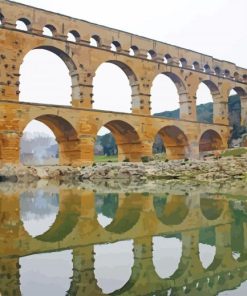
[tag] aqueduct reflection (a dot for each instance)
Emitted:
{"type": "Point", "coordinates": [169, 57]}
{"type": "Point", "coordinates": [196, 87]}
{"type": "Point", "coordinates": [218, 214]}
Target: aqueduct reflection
{"type": "Point", "coordinates": [182, 218]}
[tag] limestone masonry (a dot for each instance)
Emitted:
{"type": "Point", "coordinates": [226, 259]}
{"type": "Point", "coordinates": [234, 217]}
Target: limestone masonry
{"type": "Point", "coordinates": [76, 126]}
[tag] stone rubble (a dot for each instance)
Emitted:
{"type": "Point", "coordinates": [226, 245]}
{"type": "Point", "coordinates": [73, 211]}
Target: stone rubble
{"type": "Point", "coordinates": [213, 170]}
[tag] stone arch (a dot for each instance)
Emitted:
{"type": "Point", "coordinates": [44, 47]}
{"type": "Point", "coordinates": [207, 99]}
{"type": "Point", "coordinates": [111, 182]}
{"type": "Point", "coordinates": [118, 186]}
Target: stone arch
{"type": "Point", "coordinates": [2, 19]}
{"type": "Point", "coordinates": [73, 36]}
{"type": "Point", "coordinates": [127, 214]}
{"type": "Point", "coordinates": [95, 40]}
{"type": "Point", "coordinates": [116, 46]}
{"type": "Point", "coordinates": [66, 136]}
{"type": "Point", "coordinates": [67, 217]}
{"type": "Point", "coordinates": [237, 104]}
{"type": "Point", "coordinates": [127, 140]}
{"type": "Point", "coordinates": [212, 87]}
{"type": "Point", "coordinates": [177, 89]}
{"type": "Point", "coordinates": [128, 72]}
{"type": "Point", "coordinates": [211, 208]}
{"type": "Point", "coordinates": [26, 23]}
{"type": "Point", "coordinates": [210, 140]}
{"type": "Point", "coordinates": [171, 210]}
{"type": "Point", "coordinates": [175, 142]}
{"type": "Point", "coordinates": [52, 30]}
{"type": "Point", "coordinates": [70, 64]}
{"type": "Point", "coordinates": [134, 50]}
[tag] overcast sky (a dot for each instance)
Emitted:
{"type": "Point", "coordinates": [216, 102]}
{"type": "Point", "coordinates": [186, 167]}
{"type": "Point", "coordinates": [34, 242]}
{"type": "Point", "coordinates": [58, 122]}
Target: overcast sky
{"type": "Point", "coordinates": [216, 28]}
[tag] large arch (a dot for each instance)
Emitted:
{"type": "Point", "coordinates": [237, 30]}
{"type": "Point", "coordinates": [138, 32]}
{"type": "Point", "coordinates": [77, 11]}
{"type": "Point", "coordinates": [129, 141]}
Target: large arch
{"type": "Point", "coordinates": [175, 88]}
{"type": "Point", "coordinates": [210, 140]}
{"type": "Point", "coordinates": [67, 217]}
{"type": "Point", "coordinates": [114, 92]}
{"type": "Point", "coordinates": [237, 105]}
{"type": "Point", "coordinates": [175, 142]}
{"type": "Point", "coordinates": [73, 86]}
{"type": "Point", "coordinates": [206, 92]}
{"type": "Point", "coordinates": [211, 208]}
{"type": "Point", "coordinates": [171, 210]}
{"type": "Point", "coordinates": [127, 140]}
{"type": "Point", "coordinates": [127, 214]}
{"type": "Point", "coordinates": [66, 136]}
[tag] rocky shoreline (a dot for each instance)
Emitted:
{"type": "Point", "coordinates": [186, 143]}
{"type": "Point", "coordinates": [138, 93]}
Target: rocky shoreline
{"type": "Point", "coordinates": [226, 169]}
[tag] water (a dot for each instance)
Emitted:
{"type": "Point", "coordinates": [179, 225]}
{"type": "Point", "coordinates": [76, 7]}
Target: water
{"type": "Point", "coordinates": [174, 239]}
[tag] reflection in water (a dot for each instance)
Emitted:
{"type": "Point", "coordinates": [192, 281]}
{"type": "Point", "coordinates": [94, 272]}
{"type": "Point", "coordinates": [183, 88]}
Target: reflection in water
{"type": "Point", "coordinates": [207, 254]}
{"type": "Point", "coordinates": [113, 264]}
{"type": "Point", "coordinates": [166, 255]}
{"type": "Point", "coordinates": [38, 211]}
{"type": "Point", "coordinates": [106, 207]}
{"type": "Point", "coordinates": [82, 243]}
{"type": "Point", "coordinates": [46, 274]}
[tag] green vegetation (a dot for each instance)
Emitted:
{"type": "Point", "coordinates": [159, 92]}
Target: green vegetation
{"type": "Point", "coordinates": [237, 152]}
{"type": "Point", "coordinates": [105, 158]}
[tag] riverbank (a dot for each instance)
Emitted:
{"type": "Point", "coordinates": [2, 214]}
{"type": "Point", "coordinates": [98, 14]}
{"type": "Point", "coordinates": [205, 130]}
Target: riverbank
{"type": "Point", "coordinates": [223, 169]}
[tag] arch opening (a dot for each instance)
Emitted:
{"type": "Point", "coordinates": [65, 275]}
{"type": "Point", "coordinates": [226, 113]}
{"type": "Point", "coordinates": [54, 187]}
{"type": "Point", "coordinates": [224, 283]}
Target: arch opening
{"type": "Point", "coordinates": [207, 249]}
{"type": "Point", "coordinates": [167, 252]}
{"type": "Point", "coordinates": [49, 30]}
{"type": "Point", "coordinates": [34, 273]}
{"type": "Point", "coordinates": [237, 117]}
{"type": "Point", "coordinates": [196, 66]}
{"type": "Point", "coordinates": [210, 140]}
{"type": "Point", "coordinates": [38, 210]}
{"type": "Point", "coordinates": [38, 145]}
{"type": "Point", "coordinates": [211, 208]}
{"type": "Point", "coordinates": [151, 54]}
{"type": "Point", "coordinates": [48, 75]}
{"type": "Point", "coordinates": [1, 19]}
{"type": "Point", "coordinates": [172, 209]}
{"type": "Point", "coordinates": [113, 263]}
{"type": "Point", "coordinates": [217, 71]}
{"type": "Point", "coordinates": [167, 58]}
{"type": "Point", "coordinates": [123, 141]}
{"type": "Point", "coordinates": [73, 36]}
{"type": "Point", "coordinates": [105, 148]}
{"type": "Point", "coordinates": [106, 208]}
{"type": "Point", "coordinates": [133, 51]}
{"type": "Point", "coordinates": [183, 63]}
{"type": "Point", "coordinates": [207, 68]}
{"type": "Point", "coordinates": [115, 46]}
{"type": "Point", "coordinates": [66, 136]}
{"type": "Point", "coordinates": [114, 84]}
{"type": "Point", "coordinates": [204, 101]}
{"type": "Point", "coordinates": [173, 142]}
{"type": "Point", "coordinates": [166, 91]}
{"type": "Point", "coordinates": [23, 24]}
{"type": "Point", "coordinates": [95, 41]}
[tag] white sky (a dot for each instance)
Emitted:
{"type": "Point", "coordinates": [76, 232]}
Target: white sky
{"type": "Point", "coordinates": [215, 28]}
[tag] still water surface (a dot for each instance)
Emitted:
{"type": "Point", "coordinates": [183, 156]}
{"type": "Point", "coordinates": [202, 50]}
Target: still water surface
{"type": "Point", "coordinates": [74, 241]}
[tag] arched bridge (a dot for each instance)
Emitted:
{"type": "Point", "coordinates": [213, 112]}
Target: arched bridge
{"type": "Point", "coordinates": [141, 59]}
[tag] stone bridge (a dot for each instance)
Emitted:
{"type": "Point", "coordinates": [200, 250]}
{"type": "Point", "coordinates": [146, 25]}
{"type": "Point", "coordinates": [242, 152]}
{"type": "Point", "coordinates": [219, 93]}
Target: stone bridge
{"type": "Point", "coordinates": [141, 59]}
{"type": "Point", "coordinates": [76, 228]}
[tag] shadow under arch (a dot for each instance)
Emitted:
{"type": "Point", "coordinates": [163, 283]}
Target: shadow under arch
{"type": "Point", "coordinates": [210, 140]}
{"type": "Point", "coordinates": [175, 141]}
{"type": "Point", "coordinates": [67, 217]}
{"type": "Point", "coordinates": [171, 210]}
{"type": "Point", "coordinates": [70, 64]}
{"type": "Point", "coordinates": [127, 214]}
{"type": "Point", "coordinates": [66, 136]}
{"type": "Point", "coordinates": [211, 208]}
{"type": "Point", "coordinates": [127, 140]}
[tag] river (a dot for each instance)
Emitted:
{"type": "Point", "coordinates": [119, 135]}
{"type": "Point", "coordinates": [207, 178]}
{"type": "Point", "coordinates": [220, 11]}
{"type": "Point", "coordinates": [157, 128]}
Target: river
{"type": "Point", "coordinates": [173, 239]}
